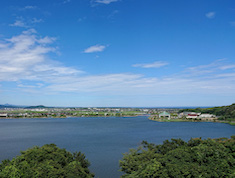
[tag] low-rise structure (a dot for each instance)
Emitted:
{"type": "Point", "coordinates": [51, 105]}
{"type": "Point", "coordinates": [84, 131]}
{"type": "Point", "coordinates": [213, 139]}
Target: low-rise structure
{"type": "Point", "coordinates": [194, 115]}
{"type": "Point", "coordinates": [3, 115]}
{"type": "Point", "coordinates": [165, 115]}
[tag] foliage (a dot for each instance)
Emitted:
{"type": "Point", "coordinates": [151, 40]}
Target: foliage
{"type": "Point", "coordinates": [225, 112]}
{"type": "Point", "coordinates": [177, 158]}
{"type": "Point", "coordinates": [46, 161]}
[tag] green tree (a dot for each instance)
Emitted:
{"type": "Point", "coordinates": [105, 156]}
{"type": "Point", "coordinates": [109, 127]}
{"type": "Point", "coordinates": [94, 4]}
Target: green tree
{"type": "Point", "coordinates": [46, 161]}
{"type": "Point", "coordinates": [177, 158]}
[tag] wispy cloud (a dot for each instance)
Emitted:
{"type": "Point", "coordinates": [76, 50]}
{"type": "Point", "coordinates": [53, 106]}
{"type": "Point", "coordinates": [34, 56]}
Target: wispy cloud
{"type": "Point", "coordinates": [113, 14]}
{"type": "Point", "coordinates": [29, 7]}
{"type": "Point", "coordinates": [213, 71]}
{"type": "Point", "coordinates": [81, 19]}
{"type": "Point", "coordinates": [210, 15]}
{"type": "Point", "coordinates": [155, 64]}
{"type": "Point", "coordinates": [19, 23]}
{"type": "Point", "coordinates": [66, 1]}
{"type": "Point", "coordinates": [25, 23]}
{"type": "Point", "coordinates": [95, 48]}
{"type": "Point", "coordinates": [225, 67]}
{"type": "Point", "coordinates": [35, 20]}
{"type": "Point", "coordinates": [105, 1]}
{"type": "Point", "coordinates": [232, 23]}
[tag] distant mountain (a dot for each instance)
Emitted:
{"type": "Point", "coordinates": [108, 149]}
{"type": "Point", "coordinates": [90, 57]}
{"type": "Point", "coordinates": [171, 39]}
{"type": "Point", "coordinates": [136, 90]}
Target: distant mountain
{"type": "Point", "coordinates": [36, 107]}
{"type": "Point", "coordinates": [10, 106]}
{"type": "Point", "coordinates": [25, 107]}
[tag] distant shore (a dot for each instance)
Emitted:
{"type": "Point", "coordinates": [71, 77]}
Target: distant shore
{"type": "Point", "coordinates": [187, 120]}
{"type": "Point", "coordinates": [66, 117]}
{"type": "Point", "coordinates": [150, 118]}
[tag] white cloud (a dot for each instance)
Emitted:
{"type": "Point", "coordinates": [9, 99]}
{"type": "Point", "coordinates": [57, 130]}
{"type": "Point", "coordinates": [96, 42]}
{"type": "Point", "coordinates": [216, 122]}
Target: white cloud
{"type": "Point", "coordinates": [19, 23]}
{"type": "Point", "coordinates": [96, 48]}
{"type": "Point", "coordinates": [155, 64]}
{"type": "Point", "coordinates": [135, 84]}
{"type": "Point", "coordinates": [24, 60]}
{"type": "Point", "coordinates": [66, 1]}
{"type": "Point", "coordinates": [24, 57]}
{"type": "Point", "coordinates": [211, 70]}
{"type": "Point", "coordinates": [226, 75]}
{"type": "Point", "coordinates": [210, 15]}
{"type": "Point", "coordinates": [106, 1]}
{"type": "Point", "coordinates": [37, 85]}
{"type": "Point", "coordinates": [113, 14]}
{"type": "Point", "coordinates": [227, 67]}
{"type": "Point", "coordinates": [29, 7]}
{"type": "Point", "coordinates": [35, 20]}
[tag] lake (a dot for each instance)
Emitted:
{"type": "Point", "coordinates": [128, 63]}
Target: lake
{"type": "Point", "coordinates": [103, 140]}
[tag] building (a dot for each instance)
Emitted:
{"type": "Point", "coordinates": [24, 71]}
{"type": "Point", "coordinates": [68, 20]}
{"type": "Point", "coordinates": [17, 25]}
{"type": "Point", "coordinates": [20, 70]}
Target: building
{"type": "Point", "coordinates": [164, 114]}
{"type": "Point", "coordinates": [207, 116]}
{"type": "Point", "coordinates": [3, 115]}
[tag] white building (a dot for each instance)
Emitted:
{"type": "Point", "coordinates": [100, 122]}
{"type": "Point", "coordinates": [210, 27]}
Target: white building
{"type": "Point", "coordinates": [207, 116]}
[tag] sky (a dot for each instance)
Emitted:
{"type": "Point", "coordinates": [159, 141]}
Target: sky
{"type": "Point", "coordinates": [117, 53]}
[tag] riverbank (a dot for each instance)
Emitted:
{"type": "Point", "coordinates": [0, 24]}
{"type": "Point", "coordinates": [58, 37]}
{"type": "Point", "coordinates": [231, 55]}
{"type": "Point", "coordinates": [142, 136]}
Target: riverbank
{"type": "Point", "coordinates": [68, 117]}
{"type": "Point", "coordinates": [153, 118]}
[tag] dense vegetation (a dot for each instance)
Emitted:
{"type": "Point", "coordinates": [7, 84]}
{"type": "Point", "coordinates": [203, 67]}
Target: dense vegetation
{"type": "Point", "coordinates": [177, 158]}
{"type": "Point", "coordinates": [46, 161]}
{"type": "Point", "coordinates": [224, 112]}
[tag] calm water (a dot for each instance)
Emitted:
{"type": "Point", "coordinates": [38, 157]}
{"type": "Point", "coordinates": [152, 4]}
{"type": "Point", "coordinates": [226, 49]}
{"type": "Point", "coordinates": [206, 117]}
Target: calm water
{"type": "Point", "coordinates": [103, 140]}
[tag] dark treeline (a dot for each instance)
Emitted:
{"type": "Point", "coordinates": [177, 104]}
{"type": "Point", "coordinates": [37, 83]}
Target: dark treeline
{"type": "Point", "coordinates": [175, 158]}
{"type": "Point", "coordinates": [224, 112]}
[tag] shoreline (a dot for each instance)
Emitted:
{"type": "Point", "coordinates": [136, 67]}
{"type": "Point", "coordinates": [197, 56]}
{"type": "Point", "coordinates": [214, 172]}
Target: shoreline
{"type": "Point", "coordinates": [185, 120]}
{"type": "Point", "coordinates": [65, 117]}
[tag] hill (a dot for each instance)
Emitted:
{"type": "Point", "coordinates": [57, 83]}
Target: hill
{"type": "Point", "coordinates": [224, 112]}
{"type": "Point", "coordinates": [36, 107]}
{"type": "Point", "coordinates": [9, 106]}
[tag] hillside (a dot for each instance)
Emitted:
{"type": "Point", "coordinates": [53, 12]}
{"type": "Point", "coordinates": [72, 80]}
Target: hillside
{"type": "Point", "coordinates": [224, 112]}
{"type": "Point", "coordinates": [36, 107]}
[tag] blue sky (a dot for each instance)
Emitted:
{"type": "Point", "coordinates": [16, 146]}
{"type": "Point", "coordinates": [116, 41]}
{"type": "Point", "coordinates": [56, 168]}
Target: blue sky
{"type": "Point", "coordinates": [129, 53]}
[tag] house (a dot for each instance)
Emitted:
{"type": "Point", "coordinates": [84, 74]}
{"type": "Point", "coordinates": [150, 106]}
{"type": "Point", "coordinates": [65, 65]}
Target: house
{"type": "Point", "coordinates": [3, 115]}
{"type": "Point", "coordinates": [164, 114]}
{"type": "Point", "coordinates": [189, 115]}
{"type": "Point", "coordinates": [207, 116]}
{"type": "Point", "coordinates": [192, 116]}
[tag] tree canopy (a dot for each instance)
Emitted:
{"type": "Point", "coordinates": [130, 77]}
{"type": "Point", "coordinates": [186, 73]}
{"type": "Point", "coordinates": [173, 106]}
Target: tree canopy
{"type": "Point", "coordinates": [177, 158]}
{"type": "Point", "coordinates": [46, 161]}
